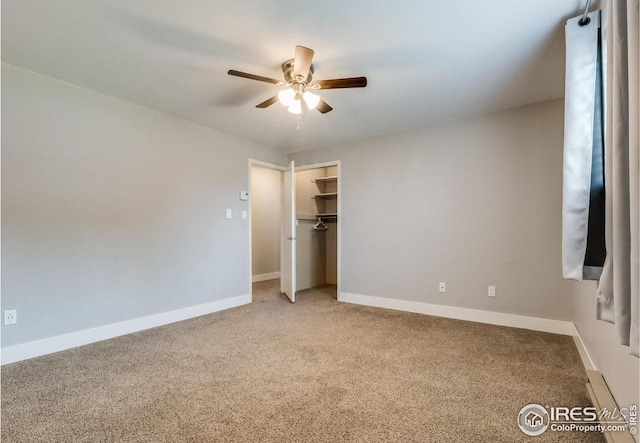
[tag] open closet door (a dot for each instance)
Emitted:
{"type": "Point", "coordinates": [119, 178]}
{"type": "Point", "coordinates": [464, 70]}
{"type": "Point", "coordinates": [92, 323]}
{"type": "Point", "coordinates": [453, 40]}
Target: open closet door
{"type": "Point", "coordinates": [288, 254]}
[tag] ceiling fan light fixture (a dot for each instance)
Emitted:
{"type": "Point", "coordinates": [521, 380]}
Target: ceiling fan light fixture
{"type": "Point", "coordinates": [286, 96]}
{"type": "Point", "coordinates": [299, 85]}
{"type": "Point", "coordinates": [311, 99]}
{"type": "Point", "coordinates": [295, 107]}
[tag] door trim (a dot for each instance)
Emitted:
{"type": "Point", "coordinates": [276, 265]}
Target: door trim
{"type": "Point", "coordinates": [266, 165]}
{"type": "Point", "coordinates": [289, 229]}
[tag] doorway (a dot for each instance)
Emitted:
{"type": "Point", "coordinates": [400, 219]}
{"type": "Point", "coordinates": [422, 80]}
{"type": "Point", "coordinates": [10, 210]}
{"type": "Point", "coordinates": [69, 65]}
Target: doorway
{"type": "Point", "coordinates": [265, 215]}
{"type": "Point", "coordinates": [318, 216]}
{"type": "Point", "coordinates": [295, 227]}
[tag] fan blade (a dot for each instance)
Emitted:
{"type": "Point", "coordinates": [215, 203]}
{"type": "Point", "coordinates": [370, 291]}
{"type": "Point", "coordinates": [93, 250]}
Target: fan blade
{"type": "Point", "coordinates": [336, 83]}
{"type": "Point", "coordinates": [253, 77]}
{"type": "Point", "coordinates": [323, 107]}
{"type": "Point", "coordinates": [267, 103]}
{"type": "Point", "coordinates": [302, 62]}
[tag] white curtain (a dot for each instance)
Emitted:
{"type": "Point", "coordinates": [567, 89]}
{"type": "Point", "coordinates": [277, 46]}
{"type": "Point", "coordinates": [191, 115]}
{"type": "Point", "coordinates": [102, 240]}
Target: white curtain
{"type": "Point", "coordinates": [617, 296]}
{"type": "Point", "coordinates": [583, 249]}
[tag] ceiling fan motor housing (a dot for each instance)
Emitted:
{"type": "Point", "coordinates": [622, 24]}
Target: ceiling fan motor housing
{"type": "Point", "coordinates": [287, 70]}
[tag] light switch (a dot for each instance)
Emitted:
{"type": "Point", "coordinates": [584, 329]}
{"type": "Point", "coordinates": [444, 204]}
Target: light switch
{"type": "Point", "coordinates": [244, 215]}
{"type": "Point", "coordinates": [244, 195]}
{"type": "Point", "coordinates": [228, 213]}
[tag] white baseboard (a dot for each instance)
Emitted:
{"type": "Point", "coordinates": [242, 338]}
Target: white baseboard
{"type": "Point", "coordinates": [585, 355]}
{"type": "Point", "coordinates": [475, 315]}
{"type": "Point", "coordinates": [263, 277]}
{"type": "Point", "coordinates": [45, 346]}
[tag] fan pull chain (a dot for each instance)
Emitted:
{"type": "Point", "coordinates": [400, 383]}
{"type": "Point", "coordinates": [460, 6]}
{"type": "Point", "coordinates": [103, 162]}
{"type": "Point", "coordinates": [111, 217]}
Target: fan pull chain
{"type": "Point", "coordinates": [299, 120]}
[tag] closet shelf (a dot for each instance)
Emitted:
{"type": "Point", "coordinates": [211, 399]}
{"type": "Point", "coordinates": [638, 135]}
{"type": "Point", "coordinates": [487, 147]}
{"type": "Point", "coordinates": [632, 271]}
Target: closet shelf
{"type": "Point", "coordinates": [326, 195]}
{"type": "Point", "coordinates": [331, 179]}
{"type": "Point", "coordinates": [315, 217]}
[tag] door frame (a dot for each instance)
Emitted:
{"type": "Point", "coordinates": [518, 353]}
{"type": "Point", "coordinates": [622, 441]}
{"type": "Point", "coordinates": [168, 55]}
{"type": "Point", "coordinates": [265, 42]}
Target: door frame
{"type": "Point", "coordinates": [339, 205]}
{"type": "Point", "coordinates": [266, 165]}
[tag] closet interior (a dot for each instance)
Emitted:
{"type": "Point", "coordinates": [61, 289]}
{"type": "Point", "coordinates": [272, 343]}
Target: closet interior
{"type": "Point", "coordinates": [317, 231]}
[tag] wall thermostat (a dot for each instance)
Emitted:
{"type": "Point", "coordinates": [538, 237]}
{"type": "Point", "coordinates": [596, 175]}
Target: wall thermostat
{"type": "Point", "coordinates": [244, 195]}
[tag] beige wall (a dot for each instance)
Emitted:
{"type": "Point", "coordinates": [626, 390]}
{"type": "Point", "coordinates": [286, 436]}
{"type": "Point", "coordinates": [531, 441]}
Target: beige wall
{"type": "Point", "coordinates": [331, 262]}
{"type": "Point", "coordinates": [111, 211]}
{"type": "Point", "coordinates": [305, 189]}
{"type": "Point", "coordinates": [266, 214]}
{"type": "Point", "coordinates": [472, 202]}
{"type": "Point", "coordinates": [310, 256]}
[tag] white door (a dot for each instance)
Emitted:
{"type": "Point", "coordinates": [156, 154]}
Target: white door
{"type": "Point", "coordinates": [288, 255]}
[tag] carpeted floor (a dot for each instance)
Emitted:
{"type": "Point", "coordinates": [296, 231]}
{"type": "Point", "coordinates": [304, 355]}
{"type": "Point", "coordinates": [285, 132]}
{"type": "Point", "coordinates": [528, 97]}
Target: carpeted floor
{"type": "Point", "coordinates": [313, 371]}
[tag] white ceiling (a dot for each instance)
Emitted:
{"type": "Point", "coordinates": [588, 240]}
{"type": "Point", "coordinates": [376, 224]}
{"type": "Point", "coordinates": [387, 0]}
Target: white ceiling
{"type": "Point", "coordinates": [425, 60]}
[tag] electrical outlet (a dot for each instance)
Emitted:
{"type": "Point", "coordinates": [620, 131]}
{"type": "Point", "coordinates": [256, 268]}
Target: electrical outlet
{"type": "Point", "coordinates": [442, 287]}
{"type": "Point", "coordinates": [491, 292]}
{"type": "Point", "coordinates": [10, 317]}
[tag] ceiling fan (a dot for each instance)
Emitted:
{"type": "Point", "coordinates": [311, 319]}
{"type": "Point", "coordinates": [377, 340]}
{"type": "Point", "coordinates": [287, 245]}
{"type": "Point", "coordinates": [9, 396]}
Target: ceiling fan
{"type": "Point", "coordinates": [298, 78]}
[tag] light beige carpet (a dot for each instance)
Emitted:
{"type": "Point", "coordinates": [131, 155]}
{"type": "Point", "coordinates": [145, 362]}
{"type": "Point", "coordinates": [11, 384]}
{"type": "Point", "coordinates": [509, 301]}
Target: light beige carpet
{"type": "Point", "coordinates": [313, 371]}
